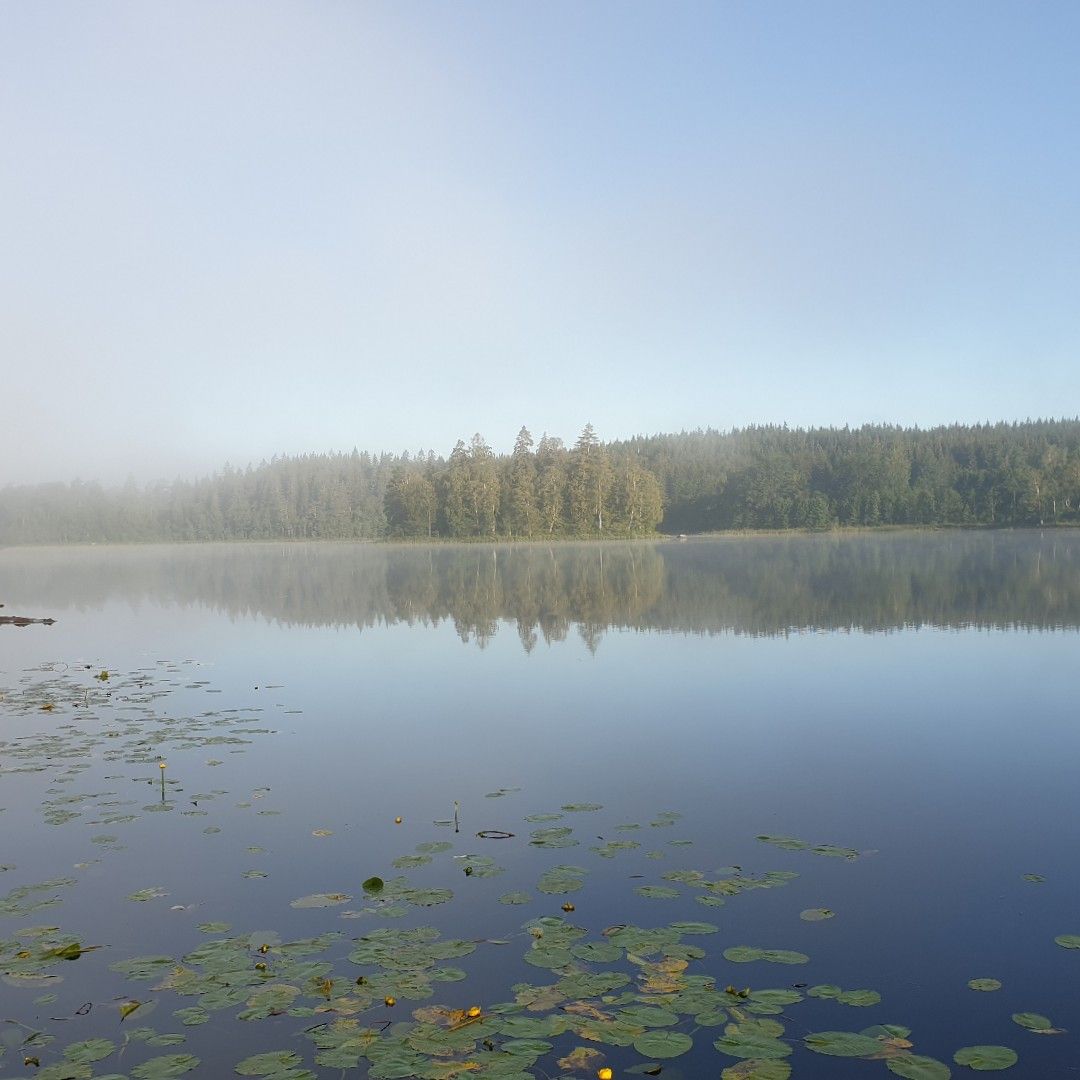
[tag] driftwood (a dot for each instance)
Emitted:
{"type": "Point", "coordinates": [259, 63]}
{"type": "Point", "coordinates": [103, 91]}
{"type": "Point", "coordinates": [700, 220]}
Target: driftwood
{"type": "Point", "coordinates": [22, 620]}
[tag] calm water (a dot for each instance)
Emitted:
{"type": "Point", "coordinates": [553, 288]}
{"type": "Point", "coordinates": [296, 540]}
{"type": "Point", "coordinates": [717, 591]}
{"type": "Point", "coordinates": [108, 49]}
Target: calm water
{"type": "Point", "coordinates": [911, 699]}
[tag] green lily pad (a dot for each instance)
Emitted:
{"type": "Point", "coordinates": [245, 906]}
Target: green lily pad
{"type": "Point", "coordinates": [373, 885]}
{"type": "Point", "coordinates": [321, 900]}
{"type": "Point", "coordinates": [751, 1045]}
{"type": "Point", "coordinates": [817, 914]}
{"type": "Point", "coordinates": [917, 1067]}
{"type": "Point", "coordinates": [165, 1067]}
{"type": "Point", "coordinates": [562, 879]}
{"type": "Point", "coordinates": [985, 985]}
{"type": "Point", "coordinates": [744, 954]}
{"type": "Point", "coordinates": [695, 927]}
{"type": "Point", "coordinates": [1032, 1021]}
{"type": "Point", "coordinates": [860, 998]}
{"type": "Point", "coordinates": [788, 843]}
{"type": "Point", "coordinates": [986, 1058]}
{"type": "Point", "coordinates": [663, 1044]}
{"type": "Point", "coordinates": [155, 892]}
{"type": "Point", "coordinates": [842, 1044]}
{"type": "Point", "coordinates": [89, 1051]}
{"type": "Point", "coordinates": [514, 898]}
{"type": "Point", "coordinates": [657, 892]}
{"type": "Point", "coordinates": [757, 1069]}
{"type": "Point", "coordinates": [268, 1064]}
{"type": "Point", "coordinates": [1068, 941]}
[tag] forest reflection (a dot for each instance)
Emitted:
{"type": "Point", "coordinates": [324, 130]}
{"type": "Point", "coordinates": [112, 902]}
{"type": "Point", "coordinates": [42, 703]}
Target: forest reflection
{"type": "Point", "coordinates": [756, 586]}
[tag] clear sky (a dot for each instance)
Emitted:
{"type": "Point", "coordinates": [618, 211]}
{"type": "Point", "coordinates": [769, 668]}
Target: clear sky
{"type": "Point", "coordinates": [233, 229]}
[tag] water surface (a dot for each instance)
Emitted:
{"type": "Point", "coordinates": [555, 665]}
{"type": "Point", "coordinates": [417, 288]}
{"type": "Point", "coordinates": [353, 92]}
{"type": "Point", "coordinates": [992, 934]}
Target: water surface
{"type": "Point", "coordinates": [909, 699]}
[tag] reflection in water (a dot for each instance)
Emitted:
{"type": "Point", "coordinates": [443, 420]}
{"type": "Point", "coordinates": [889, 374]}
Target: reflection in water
{"type": "Point", "coordinates": [758, 586]}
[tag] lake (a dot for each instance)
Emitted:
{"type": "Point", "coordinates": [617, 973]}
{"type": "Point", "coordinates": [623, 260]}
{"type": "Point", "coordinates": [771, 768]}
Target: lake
{"type": "Point", "coordinates": [796, 793]}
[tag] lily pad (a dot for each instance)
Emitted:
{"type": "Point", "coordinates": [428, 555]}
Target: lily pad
{"type": "Point", "coordinates": [165, 1067]}
{"type": "Point", "coordinates": [817, 914]}
{"type": "Point", "coordinates": [986, 1058]}
{"type": "Point", "coordinates": [757, 1069]}
{"type": "Point", "coordinates": [89, 1051]}
{"type": "Point", "coordinates": [663, 1044]}
{"type": "Point", "coordinates": [155, 892]}
{"type": "Point", "coordinates": [1032, 1021]}
{"type": "Point", "coordinates": [744, 954]}
{"type": "Point", "coordinates": [842, 1044]}
{"type": "Point", "coordinates": [985, 985]}
{"type": "Point", "coordinates": [268, 1064]}
{"type": "Point", "coordinates": [321, 900]}
{"type": "Point", "coordinates": [917, 1067]}
{"type": "Point", "coordinates": [657, 892]}
{"type": "Point", "coordinates": [1068, 941]}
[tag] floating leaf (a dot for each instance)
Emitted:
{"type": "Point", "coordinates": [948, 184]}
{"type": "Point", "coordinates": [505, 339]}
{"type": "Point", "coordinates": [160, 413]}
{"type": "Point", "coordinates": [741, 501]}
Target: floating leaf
{"type": "Point", "coordinates": [986, 1058]}
{"type": "Point", "coordinates": [694, 927]}
{"type": "Point", "coordinates": [917, 1067]}
{"type": "Point", "coordinates": [268, 1064]}
{"type": "Point", "coordinates": [1068, 941]}
{"type": "Point", "coordinates": [816, 914]}
{"type": "Point", "coordinates": [860, 998]}
{"type": "Point", "coordinates": [657, 892]}
{"type": "Point", "coordinates": [1036, 879]}
{"type": "Point", "coordinates": [165, 1067]}
{"type": "Point", "coordinates": [155, 892]}
{"type": "Point", "coordinates": [89, 1051]}
{"type": "Point", "coordinates": [1032, 1021]}
{"type": "Point", "coordinates": [515, 898]}
{"type": "Point", "coordinates": [663, 1044]}
{"type": "Point", "coordinates": [842, 1044]}
{"type": "Point", "coordinates": [757, 1070]}
{"type": "Point", "coordinates": [788, 843]}
{"type": "Point", "coordinates": [373, 885]}
{"type": "Point", "coordinates": [553, 838]}
{"type": "Point", "coordinates": [744, 954]}
{"type": "Point", "coordinates": [753, 1045]}
{"type": "Point", "coordinates": [580, 808]}
{"type": "Point", "coordinates": [986, 985]}
{"type": "Point", "coordinates": [321, 900]}
{"type": "Point", "coordinates": [562, 879]}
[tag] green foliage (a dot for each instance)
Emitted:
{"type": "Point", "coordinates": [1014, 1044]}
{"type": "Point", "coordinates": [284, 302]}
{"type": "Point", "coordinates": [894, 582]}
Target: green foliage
{"type": "Point", "coordinates": [757, 478]}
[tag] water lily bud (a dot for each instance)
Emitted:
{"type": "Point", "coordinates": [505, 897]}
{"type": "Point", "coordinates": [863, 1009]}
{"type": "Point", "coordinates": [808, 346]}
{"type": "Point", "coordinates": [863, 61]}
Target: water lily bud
{"type": "Point", "coordinates": [389, 1002]}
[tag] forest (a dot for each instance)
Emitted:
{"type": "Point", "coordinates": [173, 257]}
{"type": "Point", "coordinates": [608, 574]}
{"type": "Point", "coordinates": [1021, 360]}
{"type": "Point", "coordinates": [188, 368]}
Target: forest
{"type": "Point", "coordinates": [760, 478]}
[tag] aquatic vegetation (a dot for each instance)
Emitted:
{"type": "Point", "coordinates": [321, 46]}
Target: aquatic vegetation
{"type": "Point", "coordinates": [417, 999]}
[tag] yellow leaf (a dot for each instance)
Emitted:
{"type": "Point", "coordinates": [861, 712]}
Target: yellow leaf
{"type": "Point", "coordinates": [581, 1057]}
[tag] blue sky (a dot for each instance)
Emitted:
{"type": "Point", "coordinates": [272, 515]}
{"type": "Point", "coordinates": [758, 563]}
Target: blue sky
{"type": "Point", "coordinates": [235, 229]}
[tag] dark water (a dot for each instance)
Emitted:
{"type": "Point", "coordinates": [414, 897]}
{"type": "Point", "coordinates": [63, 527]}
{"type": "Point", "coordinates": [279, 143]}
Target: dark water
{"type": "Point", "coordinates": [911, 699]}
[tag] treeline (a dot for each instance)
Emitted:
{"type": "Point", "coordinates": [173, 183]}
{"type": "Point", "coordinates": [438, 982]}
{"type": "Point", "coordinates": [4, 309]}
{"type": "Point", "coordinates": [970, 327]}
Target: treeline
{"type": "Point", "coordinates": [542, 491]}
{"type": "Point", "coordinates": [756, 478]}
{"type": "Point", "coordinates": [778, 478]}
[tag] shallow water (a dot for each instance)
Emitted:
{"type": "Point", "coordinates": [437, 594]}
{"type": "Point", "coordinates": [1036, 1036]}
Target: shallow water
{"type": "Point", "coordinates": [910, 699]}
